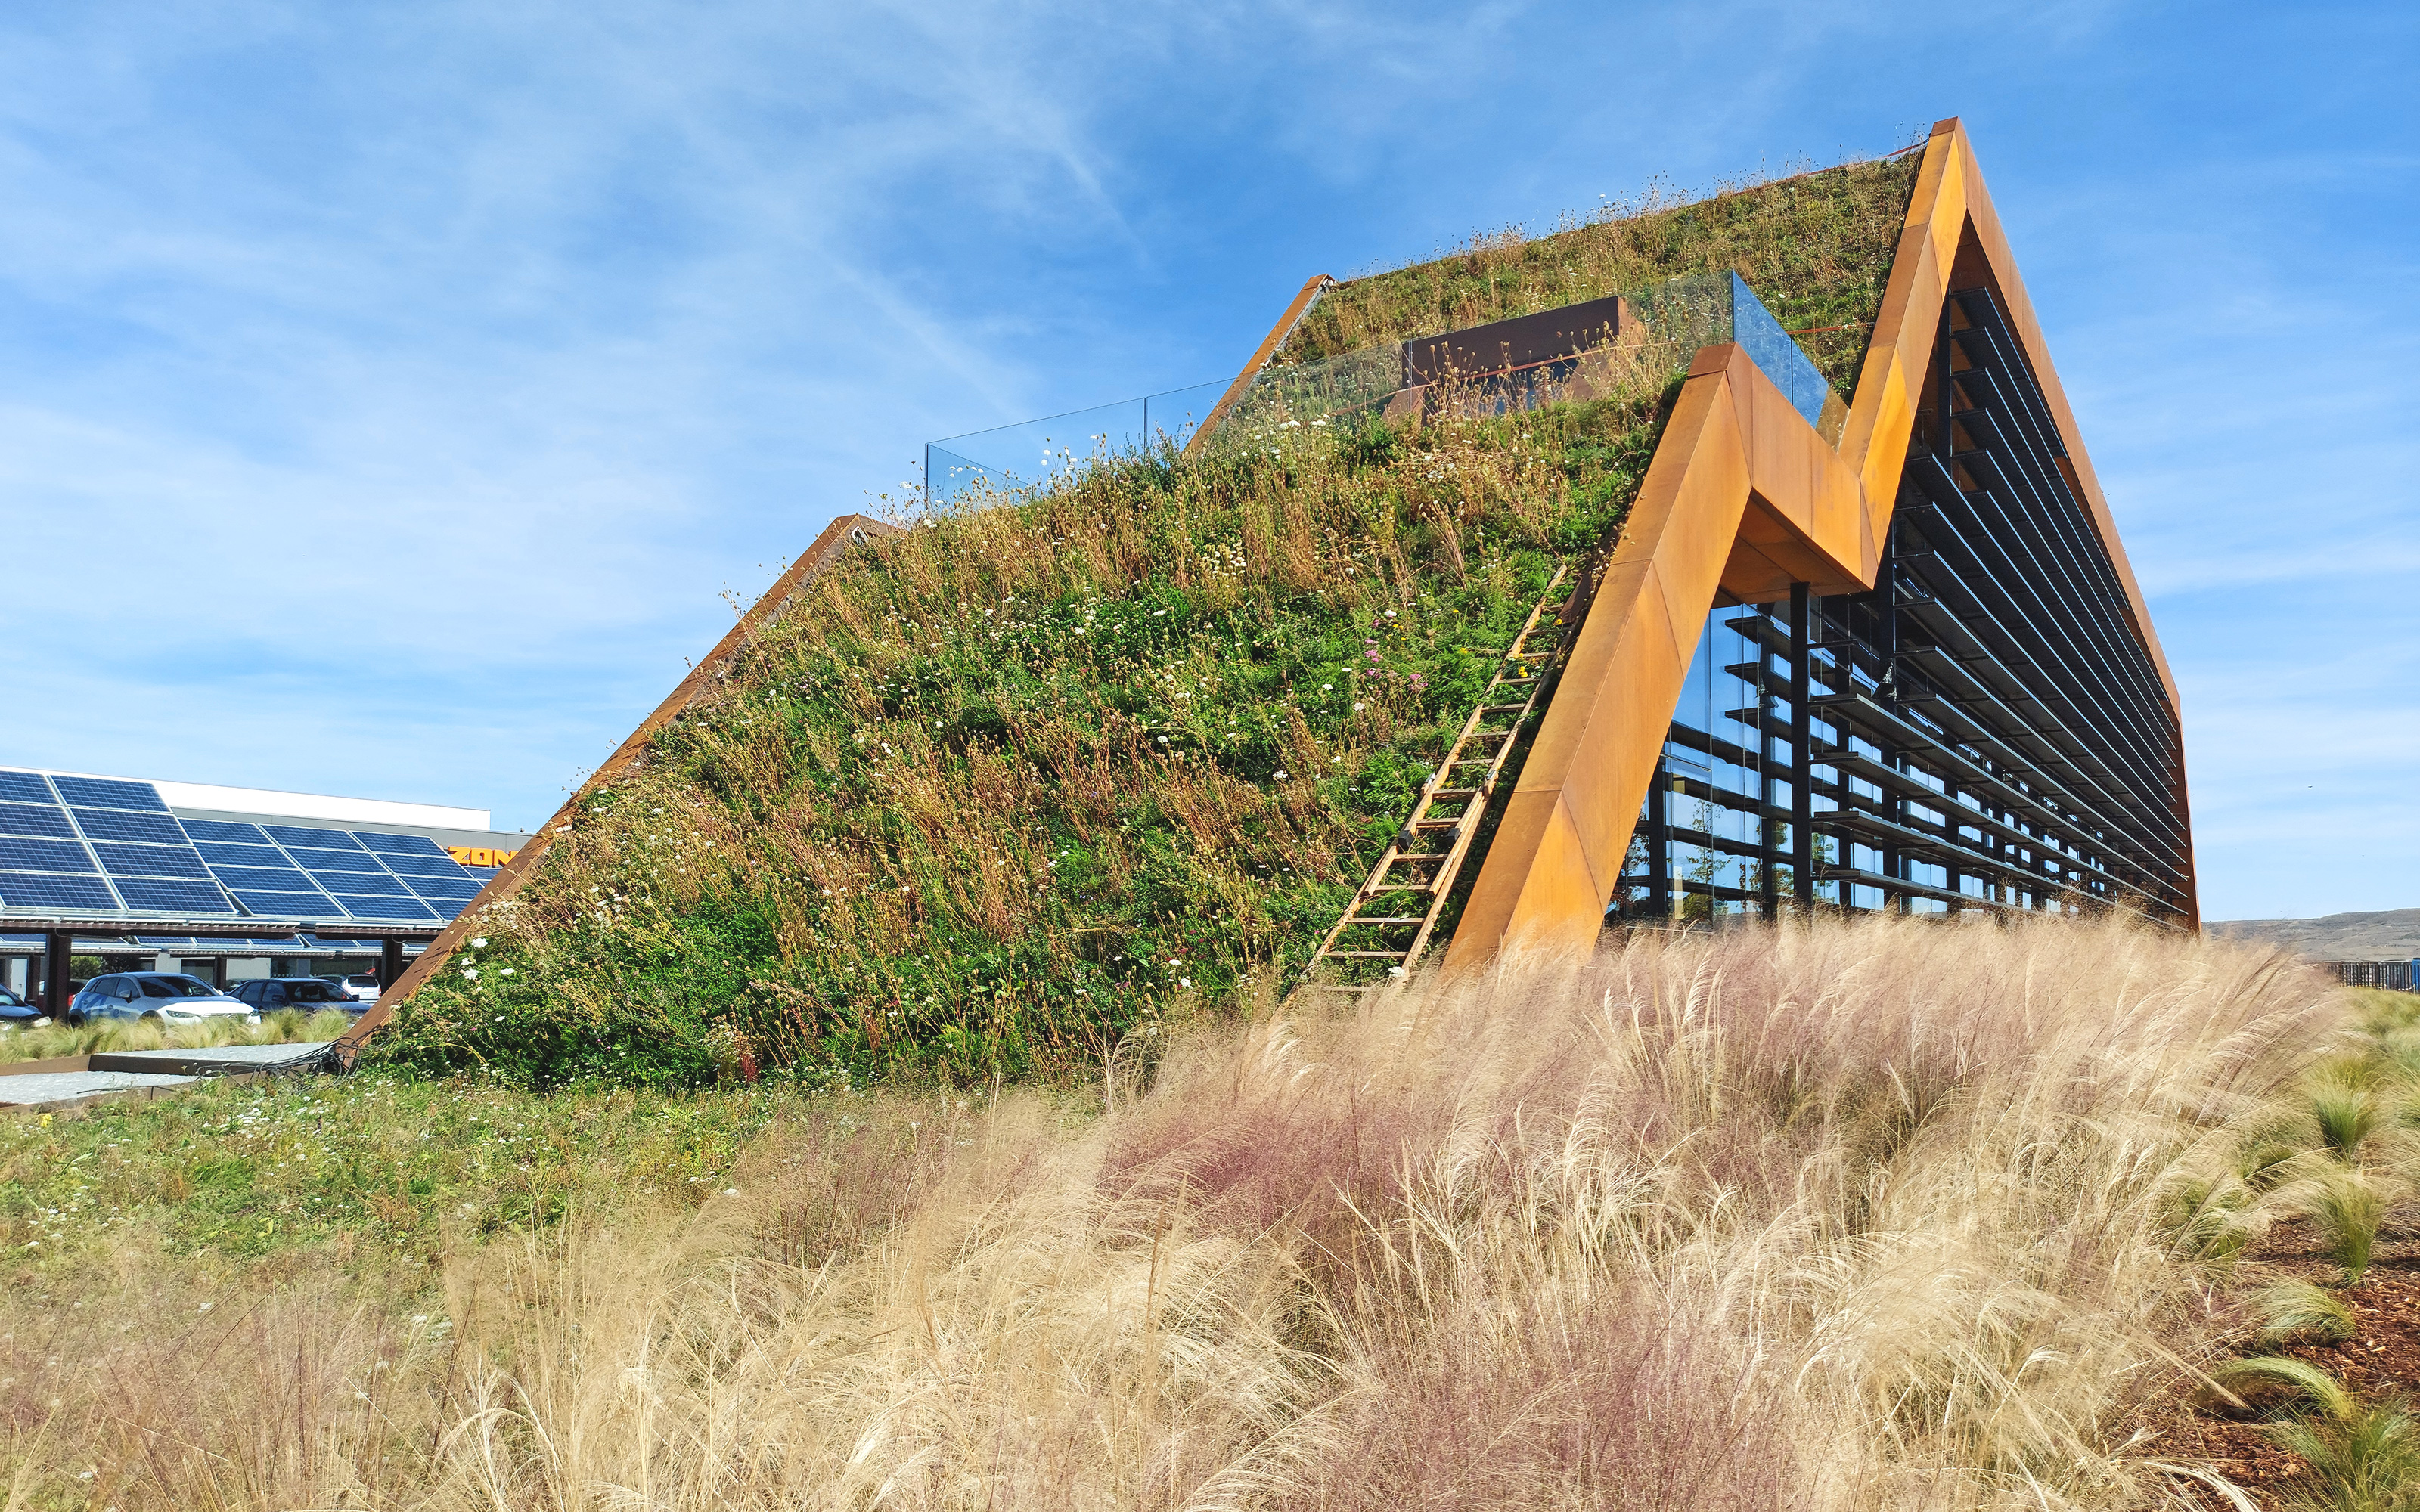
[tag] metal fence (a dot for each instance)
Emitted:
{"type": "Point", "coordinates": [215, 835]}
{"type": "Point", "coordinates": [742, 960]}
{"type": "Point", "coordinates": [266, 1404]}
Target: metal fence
{"type": "Point", "coordinates": [2394, 976]}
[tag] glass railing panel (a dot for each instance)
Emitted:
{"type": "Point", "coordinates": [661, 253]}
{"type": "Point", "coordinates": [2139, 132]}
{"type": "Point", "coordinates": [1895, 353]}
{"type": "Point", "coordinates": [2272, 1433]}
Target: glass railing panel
{"type": "Point", "coordinates": [1778, 355]}
{"type": "Point", "coordinates": [1668, 320]}
{"type": "Point", "coordinates": [1329, 391]}
{"type": "Point", "coordinates": [1043, 454]}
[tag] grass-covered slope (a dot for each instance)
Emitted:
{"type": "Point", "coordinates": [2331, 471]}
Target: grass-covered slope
{"type": "Point", "coordinates": [989, 798]}
{"type": "Point", "coordinates": [1817, 250]}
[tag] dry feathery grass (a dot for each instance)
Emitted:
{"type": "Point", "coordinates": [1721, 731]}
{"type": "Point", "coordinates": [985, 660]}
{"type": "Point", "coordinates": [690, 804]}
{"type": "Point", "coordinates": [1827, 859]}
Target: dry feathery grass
{"type": "Point", "coordinates": [1881, 1213]}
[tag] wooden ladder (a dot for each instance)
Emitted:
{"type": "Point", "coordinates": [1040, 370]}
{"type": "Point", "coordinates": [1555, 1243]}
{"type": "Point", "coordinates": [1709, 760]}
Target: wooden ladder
{"type": "Point", "coordinates": [1410, 869]}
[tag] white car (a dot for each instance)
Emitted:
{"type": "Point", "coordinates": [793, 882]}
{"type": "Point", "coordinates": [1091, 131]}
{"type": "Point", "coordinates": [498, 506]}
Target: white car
{"type": "Point", "coordinates": [170, 996]}
{"type": "Point", "coordinates": [362, 984]}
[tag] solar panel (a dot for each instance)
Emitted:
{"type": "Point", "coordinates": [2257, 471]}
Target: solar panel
{"type": "Point", "coordinates": [150, 861]}
{"type": "Point", "coordinates": [164, 939]}
{"type": "Point", "coordinates": [463, 889]}
{"type": "Point", "coordinates": [29, 819]}
{"type": "Point", "coordinates": [289, 905]}
{"type": "Point", "coordinates": [411, 908]}
{"type": "Point", "coordinates": [106, 792]}
{"type": "Point", "coordinates": [219, 829]}
{"type": "Point", "coordinates": [447, 908]}
{"type": "Point", "coordinates": [25, 787]}
{"type": "Point", "coordinates": [44, 856]}
{"type": "Point", "coordinates": [338, 861]}
{"type": "Point", "coordinates": [264, 879]}
{"type": "Point", "coordinates": [17, 890]}
{"type": "Point", "coordinates": [400, 845]}
{"type": "Point", "coordinates": [333, 839]}
{"type": "Point", "coordinates": [151, 829]}
{"type": "Point", "coordinates": [482, 873]}
{"type": "Point", "coordinates": [422, 866]}
{"type": "Point", "coordinates": [242, 855]}
{"type": "Point", "coordinates": [360, 882]}
{"type": "Point", "coordinates": [158, 895]}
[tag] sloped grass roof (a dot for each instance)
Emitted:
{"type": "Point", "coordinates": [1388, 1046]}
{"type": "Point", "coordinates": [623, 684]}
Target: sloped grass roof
{"type": "Point", "coordinates": [999, 796]}
{"type": "Point", "coordinates": [1815, 248]}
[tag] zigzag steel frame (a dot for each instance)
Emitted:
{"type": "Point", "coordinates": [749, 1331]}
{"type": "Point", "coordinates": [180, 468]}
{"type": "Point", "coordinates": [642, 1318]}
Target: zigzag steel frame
{"type": "Point", "coordinates": [1744, 497]}
{"type": "Point", "coordinates": [838, 536]}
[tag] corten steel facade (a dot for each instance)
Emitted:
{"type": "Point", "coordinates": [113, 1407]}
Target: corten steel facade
{"type": "Point", "coordinates": [1983, 729]}
{"type": "Point", "coordinates": [1910, 669]}
{"type": "Point", "coordinates": [1890, 657]}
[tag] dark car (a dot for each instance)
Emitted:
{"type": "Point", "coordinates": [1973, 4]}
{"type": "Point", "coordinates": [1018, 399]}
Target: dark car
{"type": "Point", "coordinates": [308, 995]}
{"type": "Point", "coordinates": [169, 996]}
{"type": "Point", "coordinates": [15, 1012]}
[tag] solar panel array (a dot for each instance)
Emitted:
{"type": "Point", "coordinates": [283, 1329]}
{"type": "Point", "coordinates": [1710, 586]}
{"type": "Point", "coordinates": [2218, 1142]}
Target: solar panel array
{"type": "Point", "coordinates": [81, 844]}
{"type": "Point", "coordinates": [302, 872]}
{"type": "Point", "coordinates": [89, 844]}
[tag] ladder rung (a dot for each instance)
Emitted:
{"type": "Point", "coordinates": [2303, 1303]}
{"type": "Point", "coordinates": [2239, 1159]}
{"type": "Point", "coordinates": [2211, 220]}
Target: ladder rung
{"type": "Point", "coordinates": [1408, 918]}
{"type": "Point", "coordinates": [1371, 955]}
{"type": "Point", "coordinates": [1453, 792]}
{"type": "Point", "coordinates": [1500, 708]}
{"type": "Point", "coordinates": [1440, 824]}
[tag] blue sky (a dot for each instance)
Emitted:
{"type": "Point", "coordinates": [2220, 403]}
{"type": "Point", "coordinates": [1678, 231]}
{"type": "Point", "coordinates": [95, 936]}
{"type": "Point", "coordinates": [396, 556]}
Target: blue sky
{"type": "Point", "coordinates": [393, 399]}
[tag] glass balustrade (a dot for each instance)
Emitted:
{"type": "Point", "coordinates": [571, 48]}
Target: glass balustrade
{"type": "Point", "coordinates": [1658, 331]}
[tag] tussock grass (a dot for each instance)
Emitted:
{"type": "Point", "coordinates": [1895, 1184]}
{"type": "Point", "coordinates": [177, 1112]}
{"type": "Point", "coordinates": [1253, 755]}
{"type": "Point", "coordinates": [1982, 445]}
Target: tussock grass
{"type": "Point", "coordinates": [2358, 1455]}
{"type": "Point", "coordinates": [289, 1026]}
{"type": "Point", "coordinates": [2347, 1109]}
{"type": "Point", "coordinates": [1881, 1214]}
{"type": "Point", "coordinates": [2364, 1460]}
{"type": "Point", "coordinates": [2348, 1209]}
{"type": "Point", "coordinates": [2290, 1309]}
{"type": "Point", "coordinates": [2278, 1379]}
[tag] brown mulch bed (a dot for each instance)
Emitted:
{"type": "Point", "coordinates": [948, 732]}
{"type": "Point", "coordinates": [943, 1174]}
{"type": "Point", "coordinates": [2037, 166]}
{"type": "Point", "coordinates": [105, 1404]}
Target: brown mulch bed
{"type": "Point", "coordinates": [2382, 1356]}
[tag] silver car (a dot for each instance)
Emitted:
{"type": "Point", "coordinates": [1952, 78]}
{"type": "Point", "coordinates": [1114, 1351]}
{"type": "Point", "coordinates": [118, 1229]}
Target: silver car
{"type": "Point", "coordinates": [169, 996]}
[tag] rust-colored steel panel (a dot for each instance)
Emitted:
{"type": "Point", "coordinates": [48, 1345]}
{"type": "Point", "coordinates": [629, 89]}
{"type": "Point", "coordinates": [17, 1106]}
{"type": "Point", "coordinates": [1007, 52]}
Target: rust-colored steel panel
{"type": "Point", "coordinates": [1745, 497]}
{"type": "Point", "coordinates": [842, 533]}
{"type": "Point", "coordinates": [1524, 341]}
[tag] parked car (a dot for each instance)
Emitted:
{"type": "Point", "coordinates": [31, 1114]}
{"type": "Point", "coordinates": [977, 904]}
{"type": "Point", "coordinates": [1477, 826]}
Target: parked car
{"type": "Point", "coordinates": [310, 995]}
{"type": "Point", "coordinates": [17, 1013]}
{"type": "Point", "coordinates": [169, 996]}
{"type": "Point", "coordinates": [363, 985]}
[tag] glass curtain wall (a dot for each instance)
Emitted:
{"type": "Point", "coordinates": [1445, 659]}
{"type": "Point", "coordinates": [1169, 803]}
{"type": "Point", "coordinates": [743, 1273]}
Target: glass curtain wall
{"type": "Point", "coordinates": [1983, 731]}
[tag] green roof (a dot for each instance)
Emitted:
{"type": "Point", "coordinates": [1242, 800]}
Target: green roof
{"type": "Point", "coordinates": [1050, 772]}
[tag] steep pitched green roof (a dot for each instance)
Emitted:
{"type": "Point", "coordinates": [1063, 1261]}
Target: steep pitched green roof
{"type": "Point", "coordinates": [1045, 772]}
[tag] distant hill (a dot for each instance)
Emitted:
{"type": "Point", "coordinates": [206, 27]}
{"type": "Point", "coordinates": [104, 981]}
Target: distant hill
{"type": "Point", "coordinates": [2392, 936]}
